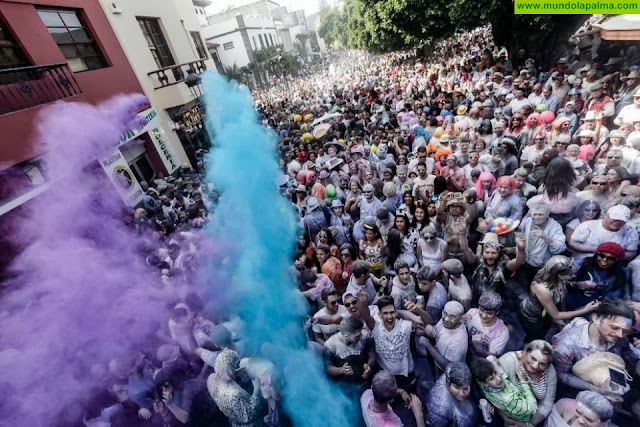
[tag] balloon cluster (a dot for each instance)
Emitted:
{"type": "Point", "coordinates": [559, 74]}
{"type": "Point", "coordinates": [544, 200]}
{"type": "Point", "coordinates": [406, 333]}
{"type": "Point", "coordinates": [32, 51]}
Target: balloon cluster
{"type": "Point", "coordinates": [497, 225]}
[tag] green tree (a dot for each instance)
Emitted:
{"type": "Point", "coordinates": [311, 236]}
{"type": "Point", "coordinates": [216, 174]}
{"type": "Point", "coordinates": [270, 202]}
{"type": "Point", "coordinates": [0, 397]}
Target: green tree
{"type": "Point", "coordinates": [241, 74]}
{"type": "Point", "coordinates": [386, 25]}
{"type": "Point", "coordinates": [332, 27]}
{"type": "Point", "coordinates": [313, 39]}
{"type": "Point", "coordinates": [301, 45]}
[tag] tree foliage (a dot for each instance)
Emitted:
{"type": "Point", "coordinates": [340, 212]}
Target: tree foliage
{"type": "Point", "coordinates": [387, 25]}
{"type": "Point", "coordinates": [333, 25]}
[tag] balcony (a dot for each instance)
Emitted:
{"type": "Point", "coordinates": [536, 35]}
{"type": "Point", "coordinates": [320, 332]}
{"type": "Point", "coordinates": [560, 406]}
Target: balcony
{"type": "Point", "coordinates": [174, 74]}
{"type": "Point", "coordinates": [27, 87]}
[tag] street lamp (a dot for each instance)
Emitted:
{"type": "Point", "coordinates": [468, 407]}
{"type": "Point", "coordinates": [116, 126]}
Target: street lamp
{"type": "Point", "coordinates": [193, 82]}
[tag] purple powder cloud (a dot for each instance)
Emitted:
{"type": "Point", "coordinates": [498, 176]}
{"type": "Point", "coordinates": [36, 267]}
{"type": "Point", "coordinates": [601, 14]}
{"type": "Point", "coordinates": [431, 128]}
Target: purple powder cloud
{"type": "Point", "coordinates": [82, 293]}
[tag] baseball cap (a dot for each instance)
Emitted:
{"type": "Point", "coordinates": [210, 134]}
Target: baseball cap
{"type": "Point", "coordinates": [619, 213]}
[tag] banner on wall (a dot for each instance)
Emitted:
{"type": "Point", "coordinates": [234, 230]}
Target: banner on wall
{"type": "Point", "coordinates": [153, 125]}
{"type": "Point", "coordinates": [117, 169]}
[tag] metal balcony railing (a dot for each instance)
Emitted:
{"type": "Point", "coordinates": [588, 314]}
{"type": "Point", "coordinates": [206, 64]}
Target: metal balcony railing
{"type": "Point", "coordinates": [175, 74]}
{"type": "Point", "coordinates": [26, 87]}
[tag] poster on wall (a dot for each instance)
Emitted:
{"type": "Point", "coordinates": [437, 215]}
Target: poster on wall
{"type": "Point", "coordinates": [117, 169]}
{"type": "Point", "coordinates": [153, 125]}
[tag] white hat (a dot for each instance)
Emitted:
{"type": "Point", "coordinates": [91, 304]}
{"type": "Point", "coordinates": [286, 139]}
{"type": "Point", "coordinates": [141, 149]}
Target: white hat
{"type": "Point", "coordinates": [619, 213]}
{"type": "Point", "coordinates": [312, 204]}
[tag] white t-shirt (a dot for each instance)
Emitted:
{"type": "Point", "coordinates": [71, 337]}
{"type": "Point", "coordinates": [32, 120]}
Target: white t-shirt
{"type": "Point", "coordinates": [423, 184]}
{"type": "Point", "coordinates": [496, 336]}
{"type": "Point", "coordinates": [517, 104]}
{"type": "Point", "coordinates": [452, 343]}
{"type": "Point", "coordinates": [328, 330]}
{"type": "Point", "coordinates": [591, 232]}
{"type": "Point", "coordinates": [392, 347]}
{"type": "Point", "coordinates": [532, 154]}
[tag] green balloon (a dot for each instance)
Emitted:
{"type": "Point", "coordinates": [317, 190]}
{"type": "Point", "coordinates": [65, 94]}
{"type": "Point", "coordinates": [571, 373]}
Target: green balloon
{"type": "Point", "coordinates": [331, 192]}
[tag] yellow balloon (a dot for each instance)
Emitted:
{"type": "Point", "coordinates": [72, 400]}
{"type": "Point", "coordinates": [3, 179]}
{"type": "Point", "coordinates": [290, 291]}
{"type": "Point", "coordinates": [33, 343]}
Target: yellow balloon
{"type": "Point", "coordinates": [297, 118]}
{"type": "Point", "coordinates": [307, 137]}
{"type": "Point", "coordinates": [303, 127]}
{"type": "Point", "coordinates": [438, 132]}
{"type": "Point", "coordinates": [308, 117]}
{"type": "Point", "coordinates": [341, 141]}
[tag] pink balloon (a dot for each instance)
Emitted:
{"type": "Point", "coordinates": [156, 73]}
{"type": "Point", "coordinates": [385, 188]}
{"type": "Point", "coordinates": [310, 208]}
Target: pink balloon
{"type": "Point", "coordinates": [547, 117]}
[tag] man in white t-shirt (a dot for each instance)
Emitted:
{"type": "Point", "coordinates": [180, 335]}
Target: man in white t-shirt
{"type": "Point", "coordinates": [450, 335]}
{"type": "Point", "coordinates": [519, 101]}
{"type": "Point", "coordinates": [392, 337]}
{"type": "Point", "coordinates": [403, 286]}
{"type": "Point", "coordinates": [424, 181]}
{"type": "Point", "coordinates": [612, 228]}
{"type": "Point", "coordinates": [473, 164]}
{"type": "Point", "coordinates": [331, 302]}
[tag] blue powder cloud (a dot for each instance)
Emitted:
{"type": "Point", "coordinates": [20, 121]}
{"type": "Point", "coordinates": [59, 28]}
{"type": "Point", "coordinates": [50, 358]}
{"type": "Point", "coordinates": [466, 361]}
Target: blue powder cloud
{"type": "Point", "coordinates": [257, 227]}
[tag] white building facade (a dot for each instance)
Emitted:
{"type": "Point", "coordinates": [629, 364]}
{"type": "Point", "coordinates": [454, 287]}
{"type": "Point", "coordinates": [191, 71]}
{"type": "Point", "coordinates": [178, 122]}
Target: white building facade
{"type": "Point", "coordinates": [163, 43]}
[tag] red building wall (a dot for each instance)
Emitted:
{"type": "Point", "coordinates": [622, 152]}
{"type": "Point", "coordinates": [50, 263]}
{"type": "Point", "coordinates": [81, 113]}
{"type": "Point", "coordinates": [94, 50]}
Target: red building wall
{"type": "Point", "coordinates": [17, 130]}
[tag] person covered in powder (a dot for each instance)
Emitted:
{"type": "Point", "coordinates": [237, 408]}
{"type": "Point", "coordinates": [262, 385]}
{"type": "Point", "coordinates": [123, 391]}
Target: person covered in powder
{"type": "Point", "coordinates": [392, 338]}
{"type": "Point", "coordinates": [448, 402]}
{"type": "Point", "coordinates": [349, 354]}
{"type": "Point", "coordinates": [242, 409]}
{"type": "Point", "coordinates": [376, 403]}
{"type": "Point", "coordinates": [450, 337]}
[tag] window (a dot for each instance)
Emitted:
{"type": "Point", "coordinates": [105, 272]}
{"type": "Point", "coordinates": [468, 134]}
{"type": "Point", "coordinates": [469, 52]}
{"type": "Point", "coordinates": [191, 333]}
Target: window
{"type": "Point", "coordinates": [261, 41]}
{"type": "Point", "coordinates": [11, 55]}
{"type": "Point", "coordinates": [73, 38]}
{"type": "Point", "coordinates": [157, 43]}
{"type": "Point", "coordinates": [255, 45]}
{"type": "Point", "coordinates": [228, 46]}
{"type": "Point", "coordinates": [197, 40]}
{"type": "Point", "coordinates": [271, 38]}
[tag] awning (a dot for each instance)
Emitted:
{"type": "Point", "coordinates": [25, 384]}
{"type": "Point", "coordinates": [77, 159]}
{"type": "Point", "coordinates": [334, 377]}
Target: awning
{"type": "Point", "coordinates": [620, 27]}
{"type": "Point", "coordinates": [175, 112]}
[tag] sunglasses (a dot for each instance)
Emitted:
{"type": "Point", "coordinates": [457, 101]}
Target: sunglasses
{"type": "Point", "coordinates": [350, 304]}
{"type": "Point", "coordinates": [613, 157]}
{"type": "Point", "coordinates": [539, 139]}
{"type": "Point", "coordinates": [367, 192]}
{"type": "Point", "coordinates": [345, 255]}
{"type": "Point", "coordinates": [607, 257]}
{"type": "Point", "coordinates": [322, 236]}
{"type": "Point", "coordinates": [598, 183]}
{"type": "Point", "coordinates": [430, 238]}
{"type": "Point", "coordinates": [562, 143]}
{"type": "Point", "coordinates": [594, 210]}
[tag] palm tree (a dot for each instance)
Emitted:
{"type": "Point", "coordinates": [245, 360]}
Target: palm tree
{"type": "Point", "coordinates": [237, 73]}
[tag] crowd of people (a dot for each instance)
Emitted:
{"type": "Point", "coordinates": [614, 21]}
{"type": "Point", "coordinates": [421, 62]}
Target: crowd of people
{"type": "Point", "coordinates": [467, 248]}
{"type": "Point", "coordinates": [469, 232]}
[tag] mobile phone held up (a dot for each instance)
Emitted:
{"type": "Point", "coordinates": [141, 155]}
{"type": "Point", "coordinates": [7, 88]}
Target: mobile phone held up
{"type": "Point", "coordinates": [618, 377]}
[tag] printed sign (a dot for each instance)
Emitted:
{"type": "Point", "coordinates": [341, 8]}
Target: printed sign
{"type": "Point", "coordinates": [117, 169]}
{"type": "Point", "coordinates": [153, 125]}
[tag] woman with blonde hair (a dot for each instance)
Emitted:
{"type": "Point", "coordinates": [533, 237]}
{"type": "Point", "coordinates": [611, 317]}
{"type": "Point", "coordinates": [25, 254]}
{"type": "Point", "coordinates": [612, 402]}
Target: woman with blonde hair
{"type": "Point", "coordinates": [535, 363]}
{"type": "Point", "coordinates": [547, 295]}
{"type": "Point", "coordinates": [598, 191]}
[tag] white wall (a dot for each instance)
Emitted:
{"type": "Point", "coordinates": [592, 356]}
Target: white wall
{"type": "Point", "coordinates": [238, 55]}
{"type": "Point", "coordinates": [229, 31]}
{"type": "Point", "coordinates": [177, 19]}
